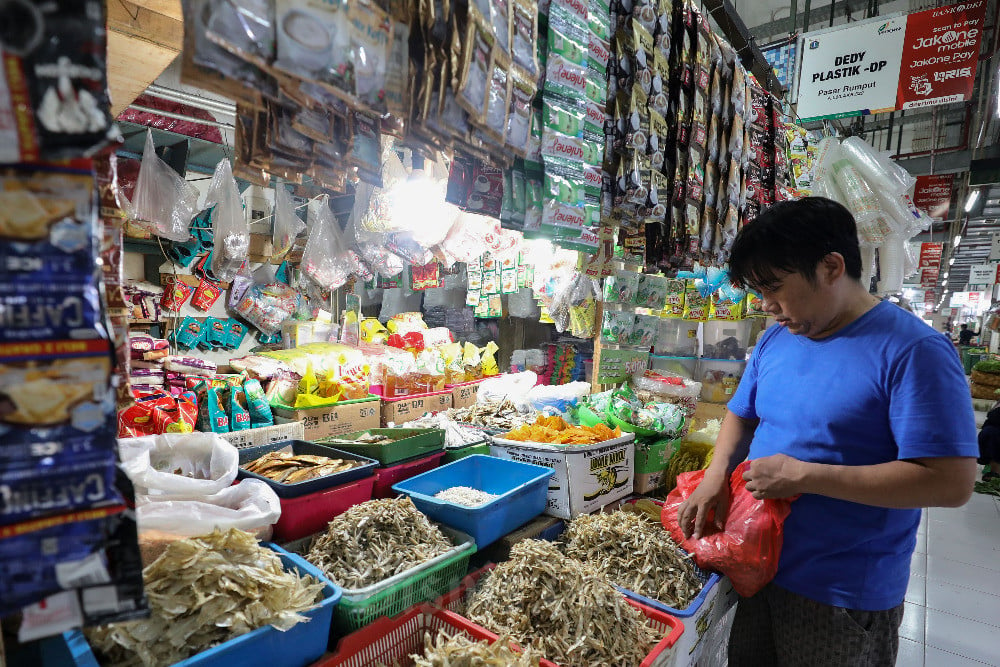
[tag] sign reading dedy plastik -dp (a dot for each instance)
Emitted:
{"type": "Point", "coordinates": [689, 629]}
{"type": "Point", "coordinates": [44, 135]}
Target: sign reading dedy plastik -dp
{"type": "Point", "coordinates": [883, 64]}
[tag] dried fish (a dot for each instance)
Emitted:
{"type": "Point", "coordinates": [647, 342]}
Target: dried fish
{"type": "Point", "coordinates": [460, 651]}
{"type": "Point", "coordinates": [203, 591]}
{"type": "Point", "coordinates": [465, 495]}
{"type": "Point", "coordinates": [565, 609]}
{"type": "Point", "coordinates": [498, 415]}
{"type": "Point", "coordinates": [455, 434]}
{"type": "Point", "coordinates": [375, 540]}
{"type": "Point", "coordinates": [636, 553]}
{"type": "Point", "coordinates": [289, 468]}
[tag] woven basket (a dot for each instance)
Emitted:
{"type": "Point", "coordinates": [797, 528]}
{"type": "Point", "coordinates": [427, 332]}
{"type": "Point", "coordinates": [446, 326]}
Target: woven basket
{"type": "Point", "coordinates": [984, 392]}
{"type": "Point", "coordinates": [986, 379]}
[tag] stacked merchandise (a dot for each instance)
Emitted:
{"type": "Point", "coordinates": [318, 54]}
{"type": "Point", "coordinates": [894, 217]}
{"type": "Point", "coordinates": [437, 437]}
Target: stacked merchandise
{"type": "Point", "coordinates": [66, 538]}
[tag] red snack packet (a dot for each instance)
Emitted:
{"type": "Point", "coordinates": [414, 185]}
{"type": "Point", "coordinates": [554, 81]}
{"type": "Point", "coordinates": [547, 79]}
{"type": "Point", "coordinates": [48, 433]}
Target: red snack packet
{"type": "Point", "coordinates": [175, 293]}
{"type": "Point", "coordinates": [206, 295]}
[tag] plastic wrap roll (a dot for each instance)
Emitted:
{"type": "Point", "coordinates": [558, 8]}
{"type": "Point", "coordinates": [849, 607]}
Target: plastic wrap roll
{"type": "Point", "coordinates": [861, 200]}
{"type": "Point", "coordinates": [827, 153]}
{"type": "Point", "coordinates": [867, 264]}
{"type": "Point", "coordinates": [869, 165]}
{"type": "Point", "coordinates": [891, 264]}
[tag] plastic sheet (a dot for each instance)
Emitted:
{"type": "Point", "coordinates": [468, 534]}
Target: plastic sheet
{"type": "Point", "coordinates": [179, 465]}
{"type": "Point", "coordinates": [251, 505]}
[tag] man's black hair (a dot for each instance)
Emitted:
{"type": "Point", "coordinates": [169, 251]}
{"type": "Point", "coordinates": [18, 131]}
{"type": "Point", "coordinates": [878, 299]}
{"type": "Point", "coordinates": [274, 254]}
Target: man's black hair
{"type": "Point", "coordinates": [793, 236]}
{"type": "Point", "coordinates": [963, 326]}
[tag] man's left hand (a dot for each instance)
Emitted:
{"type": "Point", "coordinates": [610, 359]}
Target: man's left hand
{"type": "Point", "coordinates": [776, 476]}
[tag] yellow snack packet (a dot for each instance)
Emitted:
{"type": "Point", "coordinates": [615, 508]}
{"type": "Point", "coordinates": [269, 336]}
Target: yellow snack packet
{"type": "Point", "coordinates": [490, 366]}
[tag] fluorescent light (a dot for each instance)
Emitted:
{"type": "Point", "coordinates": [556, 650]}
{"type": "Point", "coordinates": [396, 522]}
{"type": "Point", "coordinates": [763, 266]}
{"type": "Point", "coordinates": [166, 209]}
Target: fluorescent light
{"type": "Point", "coordinates": [971, 200]}
{"type": "Point", "coordinates": [958, 239]}
{"type": "Point", "coordinates": [951, 261]}
{"type": "Point", "coordinates": [945, 274]}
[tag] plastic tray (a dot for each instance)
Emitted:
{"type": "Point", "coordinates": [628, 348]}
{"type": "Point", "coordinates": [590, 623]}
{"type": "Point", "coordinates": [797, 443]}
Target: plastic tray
{"type": "Point", "coordinates": [412, 442]}
{"type": "Point", "coordinates": [386, 476]}
{"type": "Point", "coordinates": [299, 646]}
{"type": "Point", "coordinates": [456, 453]}
{"type": "Point", "coordinates": [304, 515]}
{"type": "Point", "coordinates": [672, 628]}
{"type": "Point", "coordinates": [309, 486]}
{"type": "Point", "coordinates": [522, 489]}
{"type": "Point", "coordinates": [360, 606]}
{"type": "Point", "coordinates": [391, 641]}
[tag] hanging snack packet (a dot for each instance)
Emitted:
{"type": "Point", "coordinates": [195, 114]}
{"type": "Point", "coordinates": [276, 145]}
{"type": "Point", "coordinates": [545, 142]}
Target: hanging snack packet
{"type": "Point", "coordinates": [674, 306]}
{"type": "Point", "coordinates": [175, 293]}
{"type": "Point", "coordinates": [616, 327]}
{"type": "Point", "coordinates": [652, 292]}
{"type": "Point", "coordinates": [695, 304]}
{"type": "Point", "coordinates": [205, 296]}
{"type": "Point", "coordinates": [524, 45]}
{"type": "Point", "coordinates": [477, 66]}
{"type": "Point", "coordinates": [644, 331]}
{"type": "Point", "coordinates": [498, 99]}
{"type": "Point", "coordinates": [189, 334]}
{"type": "Point", "coordinates": [522, 93]}
{"type": "Point", "coordinates": [235, 332]}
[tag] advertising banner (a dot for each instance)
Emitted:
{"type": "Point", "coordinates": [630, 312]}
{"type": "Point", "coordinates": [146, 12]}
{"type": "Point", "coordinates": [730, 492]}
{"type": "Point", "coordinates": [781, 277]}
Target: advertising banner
{"type": "Point", "coordinates": [932, 195]}
{"type": "Point", "coordinates": [940, 54]}
{"type": "Point", "coordinates": [850, 71]}
{"type": "Point", "coordinates": [930, 255]}
{"type": "Point", "coordinates": [928, 277]}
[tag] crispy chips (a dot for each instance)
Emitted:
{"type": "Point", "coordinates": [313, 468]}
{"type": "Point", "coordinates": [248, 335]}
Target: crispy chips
{"type": "Point", "coordinates": [555, 431]}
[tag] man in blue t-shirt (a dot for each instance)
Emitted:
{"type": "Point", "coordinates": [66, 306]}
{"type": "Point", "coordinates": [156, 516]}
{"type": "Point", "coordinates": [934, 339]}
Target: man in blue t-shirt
{"type": "Point", "coordinates": [858, 406]}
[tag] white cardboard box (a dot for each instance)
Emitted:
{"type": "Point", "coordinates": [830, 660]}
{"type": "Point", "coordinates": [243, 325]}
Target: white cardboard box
{"type": "Point", "coordinates": [265, 435]}
{"type": "Point", "coordinates": [587, 478]}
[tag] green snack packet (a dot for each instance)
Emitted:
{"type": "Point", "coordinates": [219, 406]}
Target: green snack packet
{"type": "Point", "coordinates": [644, 331]}
{"type": "Point", "coordinates": [651, 292]}
{"type": "Point", "coordinates": [616, 326]}
{"type": "Point", "coordinates": [257, 405]}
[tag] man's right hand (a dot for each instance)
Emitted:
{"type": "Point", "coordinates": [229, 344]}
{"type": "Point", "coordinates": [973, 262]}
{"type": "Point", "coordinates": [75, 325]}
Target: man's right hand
{"type": "Point", "coordinates": [711, 494]}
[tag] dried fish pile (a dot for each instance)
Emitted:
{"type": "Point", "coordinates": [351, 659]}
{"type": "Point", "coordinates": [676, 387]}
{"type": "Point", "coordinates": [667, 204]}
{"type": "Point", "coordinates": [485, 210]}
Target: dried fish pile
{"type": "Point", "coordinates": [498, 415]}
{"type": "Point", "coordinates": [455, 435]}
{"type": "Point", "coordinates": [375, 540]}
{"type": "Point", "coordinates": [203, 591]}
{"type": "Point", "coordinates": [465, 495]}
{"type": "Point", "coordinates": [289, 468]}
{"type": "Point", "coordinates": [563, 608]}
{"type": "Point", "coordinates": [460, 651]}
{"type": "Point", "coordinates": [635, 553]}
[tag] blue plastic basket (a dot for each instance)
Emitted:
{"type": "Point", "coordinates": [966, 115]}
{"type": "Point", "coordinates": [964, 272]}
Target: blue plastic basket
{"type": "Point", "coordinates": [522, 488]}
{"type": "Point", "coordinates": [301, 645]}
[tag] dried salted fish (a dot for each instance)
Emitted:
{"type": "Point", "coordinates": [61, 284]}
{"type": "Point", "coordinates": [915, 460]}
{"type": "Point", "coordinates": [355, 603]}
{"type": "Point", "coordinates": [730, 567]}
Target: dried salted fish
{"type": "Point", "coordinates": [203, 591]}
{"type": "Point", "coordinates": [465, 495]}
{"type": "Point", "coordinates": [289, 468]}
{"type": "Point", "coordinates": [375, 540]}
{"type": "Point", "coordinates": [563, 608]}
{"type": "Point", "coordinates": [635, 553]}
{"type": "Point", "coordinates": [499, 415]}
{"type": "Point", "coordinates": [460, 651]}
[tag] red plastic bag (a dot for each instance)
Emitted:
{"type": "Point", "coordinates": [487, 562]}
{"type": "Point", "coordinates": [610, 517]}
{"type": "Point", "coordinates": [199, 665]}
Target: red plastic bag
{"type": "Point", "coordinates": [748, 548]}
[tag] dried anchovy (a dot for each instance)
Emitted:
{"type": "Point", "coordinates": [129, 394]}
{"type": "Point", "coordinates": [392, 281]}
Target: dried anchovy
{"type": "Point", "coordinates": [460, 651]}
{"type": "Point", "coordinates": [375, 540]}
{"type": "Point", "coordinates": [465, 495]}
{"type": "Point", "coordinates": [565, 609]}
{"type": "Point", "coordinates": [502, 415]}
{"type": "Point", "coordinates": [203, 591]}
{"type": "Point", "coordinates": [635, 553]}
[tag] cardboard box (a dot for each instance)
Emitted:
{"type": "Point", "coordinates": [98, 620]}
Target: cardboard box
{"type": "Point", "coordinates": [407, 408]}
{"type": "Point", "coordinates": [338, 419]}
{"type": "Point", "coordinates": [651, 463]}
{"type": "Point", "coordinates": [705, 411]}
{"type": "Point", "coordinates": [463, 395]}
{"type": "Point", "coordinates": [261, 247]}
{"type": "Point", "coordinates": [265, 435]}
{"type": "Point", "coordinates": [587, 477]}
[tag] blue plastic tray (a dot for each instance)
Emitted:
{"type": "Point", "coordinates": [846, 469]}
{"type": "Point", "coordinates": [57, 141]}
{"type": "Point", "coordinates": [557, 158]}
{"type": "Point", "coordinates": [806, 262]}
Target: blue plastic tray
{"type": "Point", "coordinates": [522, 487]}
{"type": "Point", "coordinates": [299, 646]}
{"type": "Point", "coordinates": [367, 469]}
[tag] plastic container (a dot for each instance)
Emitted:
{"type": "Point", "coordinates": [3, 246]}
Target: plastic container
{"type": "Point", "coordinates": [308, 514]}
{"type": "Point", "coordinates": [456, 453]}
{"type": "Point", "coordinates": [386, 476]}
{"type": "Point", "coordinates": [390, 641]}
{"type": "Point", "coordinates": [676, 338]}
{"type": "Point", "coordinates": [411, 443]}
{"type": "Point", "coordinates": [663, 653]}
{"type": "Point", "coordinates": [298, 646]}
{"type": "Point", "coordinates": [359, 607]}
{"type": "Point", "coordinates": [719, 379]}
{"type": "Point", "coordinates": [684, 366]}
{"type": "Point", "coordinates": [249, 454]}
{"type": "Point", "coordinates": [521, 487]}
{"type": "Point", "coordinates": [726, 340]}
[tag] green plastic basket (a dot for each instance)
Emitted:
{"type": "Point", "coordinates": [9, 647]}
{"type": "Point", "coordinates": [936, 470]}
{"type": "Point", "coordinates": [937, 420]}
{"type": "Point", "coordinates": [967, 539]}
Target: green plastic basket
{"type": "Point", "coordinates": [427, 581]}
{"type": "Point", "coordinates": [588, 417]}
{"type": "Point", "coordinates": [457, 453]}
{"type": "Point", "coordinates": [410, 443]}
{"type": "Point", "coordinates": [631, 428]}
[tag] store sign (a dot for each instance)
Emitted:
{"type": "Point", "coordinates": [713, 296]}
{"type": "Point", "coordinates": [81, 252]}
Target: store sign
{"type": "Point", "coordinates": [930, 255]}
{"type": "Point", "coordinates": [883, 64]}
{"type": "Point", "coordinates": [932, 195]}
{"type": "Point", "coordinates": [959, 300]}
{"type": "Point", "coordinates": [929, 297]}
{"type": "Point", "coordinates": [995, 247]}
{"type": "Point", "coordinates": [928, 278]}
{"type": "Point", "coordinates": [616, 366]}
{"type": "Point", "coordinates": [850, 71]}
{"type": "Point", "coordinates": [940, 55]}
{"type": "Point", "coordinates": [983, 274]}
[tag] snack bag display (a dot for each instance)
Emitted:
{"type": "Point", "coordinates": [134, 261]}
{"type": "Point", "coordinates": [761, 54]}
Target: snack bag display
{"type": "Point", "coordinates": [239, 416]}
{"type": "Point", "coordinates": [616, 327]}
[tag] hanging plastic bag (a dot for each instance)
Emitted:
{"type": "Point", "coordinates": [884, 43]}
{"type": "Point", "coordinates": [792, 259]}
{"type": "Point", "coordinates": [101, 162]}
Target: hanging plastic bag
{"type": "Point", "coordinates": [748, 548]}
{"type": "Point", "coordinates": [229, 226]}
{"type": "Point", "coordinates": [326, 258]}
{"type": "Point", "coordinates": [185, 465]}
{"type": "Point", "coordinates": [267, 306]}
{"type": "Point", "coordinates": [163, 203]}
{"type": "Point", "coordinates": [287, 225]}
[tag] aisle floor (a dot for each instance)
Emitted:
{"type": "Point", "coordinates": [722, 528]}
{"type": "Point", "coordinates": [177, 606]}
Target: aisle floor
{"type": "Point", "coordinates": [953, 604]}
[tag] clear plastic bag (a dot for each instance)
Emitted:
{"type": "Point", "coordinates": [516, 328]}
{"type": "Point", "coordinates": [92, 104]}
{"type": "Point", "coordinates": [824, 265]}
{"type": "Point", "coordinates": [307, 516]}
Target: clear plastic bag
{"type": "Point", "coordinates": [163, 203]}
{"type": "Point", "coordinates": [287, 225]}
{"type": "Point", "coordinates": [229, 226]}
{"type": "Point", "coordinates": [326, 258]}
{"type": "Point", "coordinates": [266, 306]}
{"type": "Point", "coordinates": [179, 464]}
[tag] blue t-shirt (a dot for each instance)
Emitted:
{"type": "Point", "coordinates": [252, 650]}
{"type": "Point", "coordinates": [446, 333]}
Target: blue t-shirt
{"type": "Point", "coordinates": [885, 387]}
